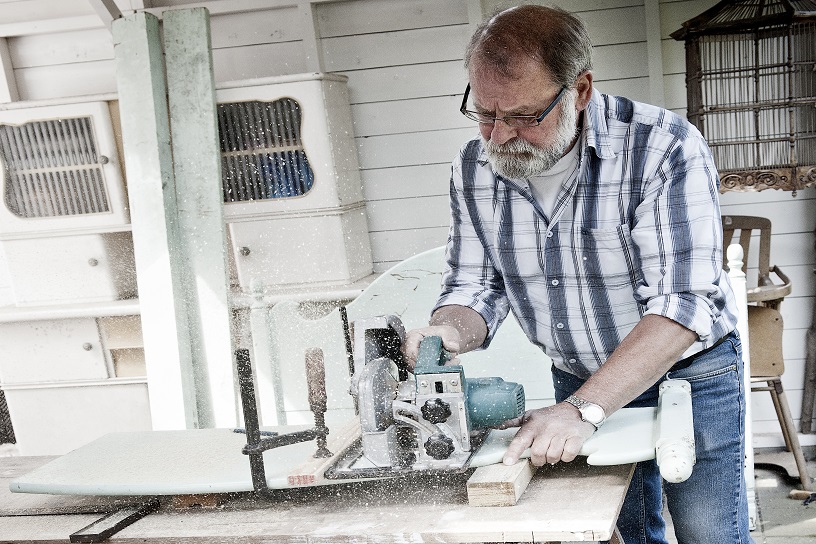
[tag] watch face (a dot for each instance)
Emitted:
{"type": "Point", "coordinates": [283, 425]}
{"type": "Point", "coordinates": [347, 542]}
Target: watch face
{"type": "Point", "coordinates": [593, 413]}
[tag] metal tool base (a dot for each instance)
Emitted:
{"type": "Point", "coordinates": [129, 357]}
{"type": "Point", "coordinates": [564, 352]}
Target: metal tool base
{"type": "Point", "coordinates": [348, 465]}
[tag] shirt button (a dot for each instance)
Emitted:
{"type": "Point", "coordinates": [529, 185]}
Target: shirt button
{"type": "Point", "coordinates": [573, 361]}
{"type": "Point", "coordinates": [559, 326]}
{"type": "Point", "coordinates": [555, 282]}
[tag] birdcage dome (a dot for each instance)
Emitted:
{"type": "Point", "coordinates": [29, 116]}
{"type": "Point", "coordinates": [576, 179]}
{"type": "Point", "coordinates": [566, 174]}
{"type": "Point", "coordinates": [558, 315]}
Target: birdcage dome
{"type": "Point", "coordinates": [751, 89]}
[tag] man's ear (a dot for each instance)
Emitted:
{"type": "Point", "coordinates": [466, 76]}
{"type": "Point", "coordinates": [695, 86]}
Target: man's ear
{"type": "Point", "coordinates": [584, 87]}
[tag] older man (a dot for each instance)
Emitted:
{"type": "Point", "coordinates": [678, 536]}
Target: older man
{"type": "Point", "coordinates": [595, 219]}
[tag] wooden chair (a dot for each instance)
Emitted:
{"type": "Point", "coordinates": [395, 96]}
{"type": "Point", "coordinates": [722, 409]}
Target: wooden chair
{"type": "Point", "coordinates": [765, 326]}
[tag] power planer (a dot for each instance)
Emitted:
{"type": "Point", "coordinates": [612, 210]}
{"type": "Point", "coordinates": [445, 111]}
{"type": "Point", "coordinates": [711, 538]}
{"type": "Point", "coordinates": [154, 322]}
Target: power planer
{"type": "Point", "coordinates": [432, 420]}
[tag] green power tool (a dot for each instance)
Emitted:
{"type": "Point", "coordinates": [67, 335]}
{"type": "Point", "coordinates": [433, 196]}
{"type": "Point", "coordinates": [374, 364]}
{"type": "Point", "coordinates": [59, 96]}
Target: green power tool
{"type": "Point", "coordinates": [433, 419]}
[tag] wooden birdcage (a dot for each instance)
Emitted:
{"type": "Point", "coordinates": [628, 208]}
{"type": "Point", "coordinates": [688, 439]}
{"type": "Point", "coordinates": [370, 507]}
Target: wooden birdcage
{"type": "Point", "coordinates": [751, 84]}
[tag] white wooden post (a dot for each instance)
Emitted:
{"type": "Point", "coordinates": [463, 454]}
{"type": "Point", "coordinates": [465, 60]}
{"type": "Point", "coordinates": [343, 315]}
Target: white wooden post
{"type": "Point", "coordinates": [152, 196]}
{"type": "Point", "coordinates": [199, 198]}
{"type": "Point", "coordinates": [737, 276]}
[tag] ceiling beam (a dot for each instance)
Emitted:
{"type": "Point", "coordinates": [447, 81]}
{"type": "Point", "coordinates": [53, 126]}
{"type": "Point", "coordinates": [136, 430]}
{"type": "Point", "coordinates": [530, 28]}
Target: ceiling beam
{"type": "Point", "coordinates": [107, 10]}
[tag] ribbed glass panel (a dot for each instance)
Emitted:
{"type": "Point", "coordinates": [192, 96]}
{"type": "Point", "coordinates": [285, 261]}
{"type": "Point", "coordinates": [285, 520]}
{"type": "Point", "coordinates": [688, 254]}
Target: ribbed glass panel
{"type": "Point", "coordinates": [262, 155]}
{"type": "Point", "coordinates": [52, 169]}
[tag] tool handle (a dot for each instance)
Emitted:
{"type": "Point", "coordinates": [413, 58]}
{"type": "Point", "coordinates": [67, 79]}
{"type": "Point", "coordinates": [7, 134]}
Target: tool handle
{"type": "Point", "coordinates": [316, 380]}
{"type": "Point", "coordinates": [675, 448]}
{"type": "Point", "coordinates": [431, 354]}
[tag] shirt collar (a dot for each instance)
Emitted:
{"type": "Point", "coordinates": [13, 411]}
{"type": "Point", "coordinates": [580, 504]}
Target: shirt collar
{"type": "Point", "coordinates": [598, 136]}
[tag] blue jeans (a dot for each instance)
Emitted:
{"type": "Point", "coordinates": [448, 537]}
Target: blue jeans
{"type": "Point", "coordinates": [711, 506]}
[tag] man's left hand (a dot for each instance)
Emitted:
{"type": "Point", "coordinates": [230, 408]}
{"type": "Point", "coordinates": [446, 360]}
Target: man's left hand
{"type": "Point", "coordinates": [555, 433]}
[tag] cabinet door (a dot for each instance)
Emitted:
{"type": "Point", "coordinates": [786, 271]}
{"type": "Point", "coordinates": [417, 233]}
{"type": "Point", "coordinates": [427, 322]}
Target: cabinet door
{"type": "Point", "coordinates": [51, 350]}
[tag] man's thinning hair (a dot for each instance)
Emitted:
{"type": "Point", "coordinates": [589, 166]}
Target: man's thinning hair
{"type": "Point", "coordinates": [554, 38]}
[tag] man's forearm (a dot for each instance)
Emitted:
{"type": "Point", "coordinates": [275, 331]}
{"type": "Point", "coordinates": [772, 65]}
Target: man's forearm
{"type": "Point", "coordinates": [646, 354]}
{"type": "Point", "coordinates": [470, 324]}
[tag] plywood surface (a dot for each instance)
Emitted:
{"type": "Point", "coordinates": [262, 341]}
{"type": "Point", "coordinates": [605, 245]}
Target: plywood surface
{"type": "Point", "coordinates": [566, 502]}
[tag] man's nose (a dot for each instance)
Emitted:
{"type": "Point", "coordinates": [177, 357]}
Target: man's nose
{"type": "Point", "coordinates": [502, 133]}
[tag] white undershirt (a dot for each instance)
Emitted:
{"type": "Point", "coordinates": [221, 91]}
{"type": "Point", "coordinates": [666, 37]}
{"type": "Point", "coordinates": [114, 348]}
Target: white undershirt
{"type": "Point", "coordinates": [545, 187]}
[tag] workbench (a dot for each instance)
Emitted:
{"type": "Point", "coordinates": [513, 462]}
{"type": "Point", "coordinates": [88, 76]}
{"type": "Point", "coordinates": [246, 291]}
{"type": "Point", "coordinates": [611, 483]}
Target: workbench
{"type": "Point", "coordinates": [563, 503]}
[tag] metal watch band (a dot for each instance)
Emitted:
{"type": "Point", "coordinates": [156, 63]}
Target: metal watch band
{"type": "Point", "coordinates": [584, 406]}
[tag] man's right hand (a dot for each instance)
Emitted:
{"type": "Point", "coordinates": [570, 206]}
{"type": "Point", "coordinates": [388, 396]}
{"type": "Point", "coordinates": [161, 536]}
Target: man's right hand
{"type": "Point", "coordinates": [451, 341]}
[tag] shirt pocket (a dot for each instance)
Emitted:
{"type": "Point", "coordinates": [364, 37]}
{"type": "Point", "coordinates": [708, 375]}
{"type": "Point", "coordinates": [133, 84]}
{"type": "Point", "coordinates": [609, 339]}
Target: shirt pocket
{"type": "Point", "coordinates": [608, 258]}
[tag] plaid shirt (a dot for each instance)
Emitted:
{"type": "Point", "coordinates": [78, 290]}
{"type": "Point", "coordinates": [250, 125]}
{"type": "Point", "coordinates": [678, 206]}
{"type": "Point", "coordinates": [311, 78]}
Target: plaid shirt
{"type": "Point", "coordinates": [635, 231]}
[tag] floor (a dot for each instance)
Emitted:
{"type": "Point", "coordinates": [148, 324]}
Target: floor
{"type": "Point", "coordinates": [781, 519]}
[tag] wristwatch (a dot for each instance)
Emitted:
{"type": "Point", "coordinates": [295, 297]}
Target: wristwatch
{"type": "Point", "coordinates": [590, 412]}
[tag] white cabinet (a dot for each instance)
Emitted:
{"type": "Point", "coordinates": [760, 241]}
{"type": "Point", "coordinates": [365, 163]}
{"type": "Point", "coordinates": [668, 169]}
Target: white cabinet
{"type": "Point", "coordinates": [70, 380]}
{"type": "Point", "coordinates": [69, 269]}
{"type": "Point", "coordinates": [51, 350]}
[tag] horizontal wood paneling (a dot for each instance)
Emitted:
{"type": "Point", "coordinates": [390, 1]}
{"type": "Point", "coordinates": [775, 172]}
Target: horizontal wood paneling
{"type": "Point", "coordinates": [374, 16]}
{"type": "Point", "coordinates": [407, 81]}
{"type": "Point", "coordinates": [412, 149]}
{"type": "Point", "coordinates": [256, 61]}
{"type": "Point", "coordinates": [256, 28]}
{"type": "Point", "coordinates": [407, 181]}
{"type": "Point", "coordinates": [408, 213]}
{"type": "Point", "coordinates": [61, 48]}
{"type": "Point", "coordinates": [392, 245]}
{"type": "Point", "coordinates": [624, 87]}
{"type": "Point", "coordinates": [615, 25]}
{"type": "Point", "coordinates": [674, 14]}
{"type": "Point", "coordinates": [66, 80]}
{"type": "Point", "coordinates": [395, 48]}
{"type": "Point", "coordinates": [622, 61]}
{"type": "Point", "coordinates": [398, 117]}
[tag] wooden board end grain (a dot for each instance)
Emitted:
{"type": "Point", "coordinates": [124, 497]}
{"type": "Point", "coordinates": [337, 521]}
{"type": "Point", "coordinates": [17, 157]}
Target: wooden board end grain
{"type": "Point", "coordinates": [499, 484]}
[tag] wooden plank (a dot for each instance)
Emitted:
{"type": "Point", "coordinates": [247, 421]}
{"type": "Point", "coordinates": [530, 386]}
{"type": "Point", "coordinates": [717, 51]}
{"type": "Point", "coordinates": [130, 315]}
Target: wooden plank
{"type": "Point", "coordinates": [419, 212]}
{"type": "Point", "coordinates": [151, 191]}
{"type": "Point", "coordinates": [395, 48]}
{"type": "Point", "coordinates": [33, 10]}
{"type": "Point", "coordinates": [202, 232]}
{"type": "Point", "coordinates": [61, 48]}
{"type": "Point", "coordinates": [499, 485]}
{"type": "Point", "coordinates": [364, 16]}
{"type": "Point", "coordinates": [621, 61]}
{"type": "Point", "coordinates": [398, 245]}
{"type": "Point", "coordinates": [413, 115]}
{"type": "Point", "coordinates": [262, 26]}
{"type": "Point", "coordinates": [66, 80]}
{"type": "Point", "coordinates": [407, 81]}
{"type": "Point", "coordinates": [655, 52]}
{"type": "Point", "coordinates": [571, 5]}
{"type": "Point", "coordinates": [233, 64]}
{"type": "Point", "coordinates": [435, 147]}
{"type": "Point", "coordinates": [637, 89]}
{"type": "Point", "coordinates": [619, 25]}
{"type": "Point", "coordinates": [8, 83]}
{"type": "Point", "coordinates": [561, 503]}
{"type": "Point", "coordinates": [406, 181]}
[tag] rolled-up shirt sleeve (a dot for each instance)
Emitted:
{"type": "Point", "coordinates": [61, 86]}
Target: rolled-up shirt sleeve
{"type": "Point", "coordinates": [678, 236]}
{"type": "Point", "coordinates": [469, 278]}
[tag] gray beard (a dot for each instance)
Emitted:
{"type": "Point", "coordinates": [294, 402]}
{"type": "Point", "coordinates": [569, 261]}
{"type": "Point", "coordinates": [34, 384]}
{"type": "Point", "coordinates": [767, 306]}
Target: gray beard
{"type": "Point", "coordinates": [519, 159]}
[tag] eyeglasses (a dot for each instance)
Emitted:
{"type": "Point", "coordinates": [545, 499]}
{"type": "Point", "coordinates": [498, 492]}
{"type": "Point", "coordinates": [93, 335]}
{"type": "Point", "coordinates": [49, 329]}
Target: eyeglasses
{"type": "Point", "coordinates": [515, 121]}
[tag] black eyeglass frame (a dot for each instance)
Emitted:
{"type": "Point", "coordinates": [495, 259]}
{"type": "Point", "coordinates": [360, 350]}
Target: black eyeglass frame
{"type": "Point", "coordinates": [471, 114]}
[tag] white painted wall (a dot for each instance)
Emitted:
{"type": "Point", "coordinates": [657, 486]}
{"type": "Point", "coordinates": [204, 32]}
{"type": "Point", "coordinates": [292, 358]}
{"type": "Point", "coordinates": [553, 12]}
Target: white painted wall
{"type": "Point", "coordinates": [404, 64]}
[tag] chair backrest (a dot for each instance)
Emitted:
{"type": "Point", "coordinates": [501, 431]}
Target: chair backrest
{"type": "Point", "coordinates": [765, 327]}
{"type": "Point", "coordinates": [744, 227]}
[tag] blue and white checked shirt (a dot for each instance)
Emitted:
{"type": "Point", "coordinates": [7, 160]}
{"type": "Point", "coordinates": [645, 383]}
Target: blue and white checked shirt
{"type": "Point", "coordinates": [637, 231]}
